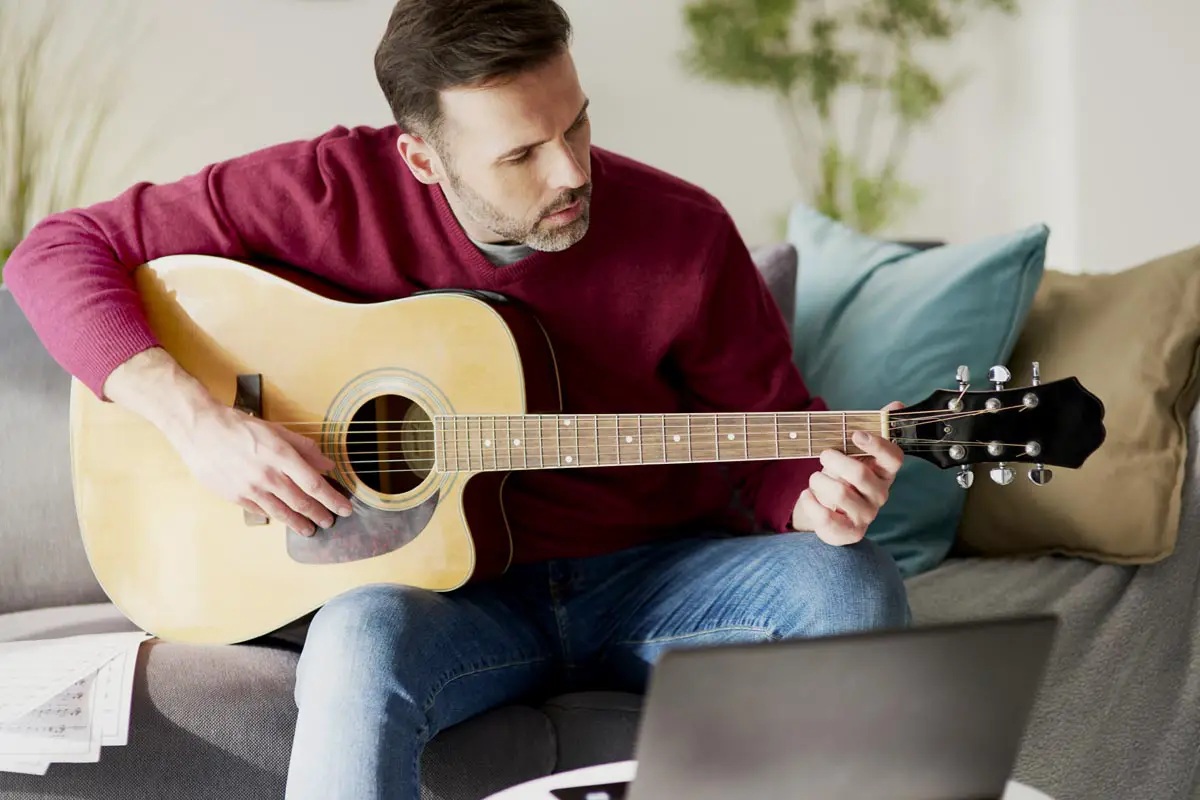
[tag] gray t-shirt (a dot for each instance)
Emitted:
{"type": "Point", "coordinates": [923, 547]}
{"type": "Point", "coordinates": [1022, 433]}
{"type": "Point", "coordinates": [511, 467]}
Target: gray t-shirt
{"type": "Point", "coordinates": [503, 254]}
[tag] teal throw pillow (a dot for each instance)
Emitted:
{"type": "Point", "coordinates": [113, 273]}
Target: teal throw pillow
{"type": "Point", "coordinates": [877, 321]}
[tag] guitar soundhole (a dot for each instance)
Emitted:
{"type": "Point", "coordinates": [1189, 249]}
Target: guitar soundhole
{"type": "Point", "coordinates": [390, 444]}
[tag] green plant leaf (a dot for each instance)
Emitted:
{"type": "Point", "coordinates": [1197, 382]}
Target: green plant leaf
{"type": "Point", "coordinates": [743, 43]}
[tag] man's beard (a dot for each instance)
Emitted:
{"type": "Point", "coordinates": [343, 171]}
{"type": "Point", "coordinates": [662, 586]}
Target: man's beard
{"type": "Point", "coordinates": [529, 234]}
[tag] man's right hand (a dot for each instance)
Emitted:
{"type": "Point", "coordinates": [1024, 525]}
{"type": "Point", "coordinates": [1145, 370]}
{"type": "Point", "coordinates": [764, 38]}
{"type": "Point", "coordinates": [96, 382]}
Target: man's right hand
{"type": "Point", "coordinates": [259, 465]}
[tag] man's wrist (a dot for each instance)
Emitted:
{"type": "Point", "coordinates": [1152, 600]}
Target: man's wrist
{"type": "Point", "coordinates": [153, 385]}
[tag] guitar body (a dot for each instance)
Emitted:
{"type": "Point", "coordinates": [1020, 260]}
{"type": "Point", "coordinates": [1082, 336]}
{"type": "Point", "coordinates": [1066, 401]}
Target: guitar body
{"type": "Point", "coordinates": [363, 380]}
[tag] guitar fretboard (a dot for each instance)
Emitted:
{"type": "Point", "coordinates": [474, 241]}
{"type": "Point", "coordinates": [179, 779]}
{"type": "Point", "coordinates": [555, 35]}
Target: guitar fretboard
{"type": "Point", "coordinates": [490, 442]}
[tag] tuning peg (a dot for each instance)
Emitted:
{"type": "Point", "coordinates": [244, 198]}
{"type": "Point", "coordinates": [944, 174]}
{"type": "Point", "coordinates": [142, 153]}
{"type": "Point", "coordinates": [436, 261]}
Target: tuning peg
{"type": "Point", "coordinates": [1002, 474]}
{"type": "Point", "coordinates": [1040, 475]}
{"type": "Point", "coordinates": [1037, 373]}
{"type": "Point", "coordinates": [999, 375]}
{"type": "Point", "coordinates": [963, 376]}
{"type": "Point", "coordinates": [965, 477]}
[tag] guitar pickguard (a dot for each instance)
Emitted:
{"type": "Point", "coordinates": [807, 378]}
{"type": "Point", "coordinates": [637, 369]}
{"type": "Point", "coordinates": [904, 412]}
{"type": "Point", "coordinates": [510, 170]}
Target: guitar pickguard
{"type": "Point", "coordinates": [366, 533]}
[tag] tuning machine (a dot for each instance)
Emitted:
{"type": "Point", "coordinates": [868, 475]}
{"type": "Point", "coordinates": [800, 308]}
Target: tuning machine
{"type": "Point", "coordinates": [965, 476]}
{"type": "Point", "coordinates": [963, 376]}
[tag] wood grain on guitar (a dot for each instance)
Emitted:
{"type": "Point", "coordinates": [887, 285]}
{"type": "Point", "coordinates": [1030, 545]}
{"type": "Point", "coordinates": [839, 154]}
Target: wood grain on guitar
{"type": "Point", "coordinates": [426, 405]}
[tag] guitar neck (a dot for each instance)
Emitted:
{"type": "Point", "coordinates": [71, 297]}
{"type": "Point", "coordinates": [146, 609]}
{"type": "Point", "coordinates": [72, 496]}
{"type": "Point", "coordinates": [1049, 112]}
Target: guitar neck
{"type": "Point", "coordinates": [483, 443]}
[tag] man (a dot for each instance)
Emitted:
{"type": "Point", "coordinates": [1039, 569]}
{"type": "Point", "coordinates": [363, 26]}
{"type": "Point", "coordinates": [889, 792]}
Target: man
{"type": "Point", "coordinates": [489, 180]}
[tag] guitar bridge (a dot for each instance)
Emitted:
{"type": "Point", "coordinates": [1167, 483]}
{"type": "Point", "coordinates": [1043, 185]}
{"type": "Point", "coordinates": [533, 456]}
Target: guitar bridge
{"type": "Point", "coordinates": [248, 399]}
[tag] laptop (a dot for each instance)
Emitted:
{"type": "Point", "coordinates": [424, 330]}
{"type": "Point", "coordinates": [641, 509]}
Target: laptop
{"type": "Point", "coordinates": [924, 713]}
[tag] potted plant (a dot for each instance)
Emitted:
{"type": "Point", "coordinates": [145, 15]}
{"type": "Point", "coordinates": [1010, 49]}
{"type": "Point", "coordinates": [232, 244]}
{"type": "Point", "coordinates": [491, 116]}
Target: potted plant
{"type": "Point", "coordinates": [56, 101]}
{"type": "Point", "coordinates": [820, 58]}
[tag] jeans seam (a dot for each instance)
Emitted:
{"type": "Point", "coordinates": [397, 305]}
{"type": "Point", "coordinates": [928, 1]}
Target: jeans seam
{"type": "Point", "coordinates": [691, 634]}
{"type": "Point", "coordinates": [478, 670]}
{"type": "Point", "coordinates": [558, 623]}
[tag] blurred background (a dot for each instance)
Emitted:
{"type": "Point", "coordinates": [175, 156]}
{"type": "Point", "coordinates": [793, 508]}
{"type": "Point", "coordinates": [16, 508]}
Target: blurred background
{"type": "Point", "coordinates": [947, 119]}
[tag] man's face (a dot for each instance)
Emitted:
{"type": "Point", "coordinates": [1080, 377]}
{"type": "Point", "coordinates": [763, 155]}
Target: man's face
{"type": "Point", "coordinates": [516, 157]}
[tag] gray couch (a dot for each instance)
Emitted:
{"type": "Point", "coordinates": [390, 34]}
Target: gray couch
{"type": "Point", "coordinates": [1119, 716]}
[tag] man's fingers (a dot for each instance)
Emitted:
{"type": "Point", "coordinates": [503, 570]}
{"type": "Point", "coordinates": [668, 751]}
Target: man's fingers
{"type": "Point", "coordinates": [280, 511]}
{"type": "Point", "coordinates": [309, 450]}
{"type": "Point", "coordinates": [836, 495]}
{"type": "Point", "coordinates": [887, 454]}
{"type": "Point", "coordinates": [859, 472]}
{"type": "Point", "coordinates": [313, 484]}
{"type": "Point", "coordinates": [302, 502]}
{"type": "Point", "coordinates": [830, 527]}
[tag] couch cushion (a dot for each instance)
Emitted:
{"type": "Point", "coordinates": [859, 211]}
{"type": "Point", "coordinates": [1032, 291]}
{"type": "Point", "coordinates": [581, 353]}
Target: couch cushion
{"type": "Point", "coordinates": [43, 562]}
{"type": "Point", "coordinates": [777, 262]}
{"type": "Point", "coordinates": [1132, 338]}
{"type": "Point", "coordinates": [877, 321]}
{"type": "Point", "coordinates": [594, 727]}
{"type": "Point", "coordinates": [61, 621]}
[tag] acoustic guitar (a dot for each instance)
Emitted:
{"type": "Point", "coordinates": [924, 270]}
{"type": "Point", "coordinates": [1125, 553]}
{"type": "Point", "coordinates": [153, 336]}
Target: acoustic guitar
{"type": "Point", "coordinates": [426, 404]}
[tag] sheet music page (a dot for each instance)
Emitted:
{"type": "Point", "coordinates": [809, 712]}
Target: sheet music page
{"type": "Point", "coordinates": [63, 700]}
{"type": "Point", "coordinates": [33, 672]}
{"type": "Point", "coordinates": [59, 730]}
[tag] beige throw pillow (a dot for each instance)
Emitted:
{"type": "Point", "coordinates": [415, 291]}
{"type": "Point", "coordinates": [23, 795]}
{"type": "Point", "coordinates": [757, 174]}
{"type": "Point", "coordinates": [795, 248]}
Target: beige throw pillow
{"type": "Point", "coordinates": [1132, 338]}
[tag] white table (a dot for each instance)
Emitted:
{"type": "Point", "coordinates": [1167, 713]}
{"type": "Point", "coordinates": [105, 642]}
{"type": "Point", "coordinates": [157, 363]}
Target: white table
{"type": "Point", "coordinates": [624, 771]}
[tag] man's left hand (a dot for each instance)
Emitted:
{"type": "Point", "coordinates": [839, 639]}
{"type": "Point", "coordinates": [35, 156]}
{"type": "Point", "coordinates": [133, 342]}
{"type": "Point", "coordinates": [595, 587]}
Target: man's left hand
{"type": "Point", "coordinates": [845, 496]}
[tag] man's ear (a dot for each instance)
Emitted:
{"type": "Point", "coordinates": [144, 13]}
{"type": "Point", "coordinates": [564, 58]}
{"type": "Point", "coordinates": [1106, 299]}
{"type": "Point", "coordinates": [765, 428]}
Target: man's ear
{"type": "Point", "coordinates": [421, 159]}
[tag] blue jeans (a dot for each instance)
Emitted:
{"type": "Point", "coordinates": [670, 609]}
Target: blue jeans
{"type": "Point", "coordinates": [384, 668]}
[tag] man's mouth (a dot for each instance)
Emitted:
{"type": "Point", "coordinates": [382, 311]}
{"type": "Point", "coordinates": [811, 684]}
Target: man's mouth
{"type": "Point", "coordinates": [566, 214]}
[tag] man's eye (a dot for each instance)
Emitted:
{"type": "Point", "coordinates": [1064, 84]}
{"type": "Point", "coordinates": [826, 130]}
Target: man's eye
{"type": "Point", "coordinates": [517, 159]}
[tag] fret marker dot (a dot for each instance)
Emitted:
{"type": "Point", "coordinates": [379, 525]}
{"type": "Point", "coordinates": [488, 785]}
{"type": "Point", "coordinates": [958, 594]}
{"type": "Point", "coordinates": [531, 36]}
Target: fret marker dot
{"type": "Point", "coordinates": [569, 459]}
{"type": "Point", "coordinates": [677, 437]}
{"type": "Point", "coordinates": [567, 423]}
{"type": "Point", "coordinates": [731, 437]}
{"type": "Point", "coordinates": [487, 442]}
{"type": "Point", "coordinates": [792, 435]}
{"type": "Point", "coordinates": [517, 442]}
{"type": "Point", "coordinates": [628, 439]}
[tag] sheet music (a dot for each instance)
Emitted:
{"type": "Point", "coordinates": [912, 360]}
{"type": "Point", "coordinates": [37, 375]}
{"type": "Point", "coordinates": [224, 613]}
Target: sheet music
{"type": "Point", "coordinates": [63, 700]}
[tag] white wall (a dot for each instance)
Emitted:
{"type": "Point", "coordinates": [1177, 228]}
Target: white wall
{"type": "Point", "coordinates": [1071, 113]}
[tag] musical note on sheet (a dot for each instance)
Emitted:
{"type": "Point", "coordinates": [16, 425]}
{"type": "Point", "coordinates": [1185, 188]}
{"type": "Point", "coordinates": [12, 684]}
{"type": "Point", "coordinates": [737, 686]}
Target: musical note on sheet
{"type": "Point", "coordinates": [62, 700]}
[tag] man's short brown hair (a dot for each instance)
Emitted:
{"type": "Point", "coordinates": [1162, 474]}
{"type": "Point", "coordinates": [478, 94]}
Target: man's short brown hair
{"type": "Point", "coordinates": [431, 45]}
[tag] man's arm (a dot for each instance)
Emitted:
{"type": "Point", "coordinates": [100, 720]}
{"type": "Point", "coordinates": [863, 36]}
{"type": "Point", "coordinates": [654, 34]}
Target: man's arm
{"type": "Point", "coordinates": [736, 356]}
{"type": "Point", "coordinates": [73, 274]}
{"type": "Point", "coordinates": [73, 278]}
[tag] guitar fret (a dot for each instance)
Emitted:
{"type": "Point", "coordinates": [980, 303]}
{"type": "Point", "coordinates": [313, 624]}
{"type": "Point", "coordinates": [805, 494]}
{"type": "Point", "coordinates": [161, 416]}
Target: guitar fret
{"type": "Point", "coordinates": [716, 439]}
{"type": "Point", "coordinates": [557, 444]}
{"type": "Point", "coordinates": [577, 459]}
{"type": "Point", "coordinates": [808, 425]}
{"type": "Point", "coordinates": [845, 446]}
{"type": "Point", "coordinates": [745, 438]}
{"type": "Point", "coordinates": [689, 437]}
{"type": "Point", "coordinates": [492, 439]}
{"type": "Point", "coordinates": [596, 436]}
{"type": "Point", "coordinates": [776, 416]}
{"type": "Point", "coordinates": [617, 435]}
{"type": "Point", "coordinates": [641, 454]}
{"type": "Point", "coordinates": [662, 425]}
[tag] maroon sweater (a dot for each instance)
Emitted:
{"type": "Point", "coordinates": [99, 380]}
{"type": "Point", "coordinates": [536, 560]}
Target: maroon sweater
{"type": "Point", "coordinates": [659, 309]}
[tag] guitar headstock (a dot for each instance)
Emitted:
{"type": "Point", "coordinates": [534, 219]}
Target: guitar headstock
{"type": "Point", "coordinates": [1044, 424]}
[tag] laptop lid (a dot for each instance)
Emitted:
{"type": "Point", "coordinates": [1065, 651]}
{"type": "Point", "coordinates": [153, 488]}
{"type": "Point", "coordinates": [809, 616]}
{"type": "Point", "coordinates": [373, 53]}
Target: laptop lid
{"type": "Point", "coordinates": [927, 713]}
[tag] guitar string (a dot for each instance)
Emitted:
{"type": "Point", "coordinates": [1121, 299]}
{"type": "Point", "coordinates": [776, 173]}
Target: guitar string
{"type": "Point", "coordinates": [675, 415]}
{"type": "Point", "coordinates": [526, 455]}
{"type": "Point", "coordinates": [525, 467]}
{"type": "Point", "coordinates": [754, 417]}
{"type": "Point", "coordinates": [638, 427]}
{"type": "Point", "coordinates": [535, 442]}
{"type": "Point", "coordinates": [697, 430]}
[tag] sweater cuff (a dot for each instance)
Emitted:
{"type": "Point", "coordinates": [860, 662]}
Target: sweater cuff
{"type": "Point", "coordinates": [780, 490]}
{"type": "Point", "coordinates": [103, 343]}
